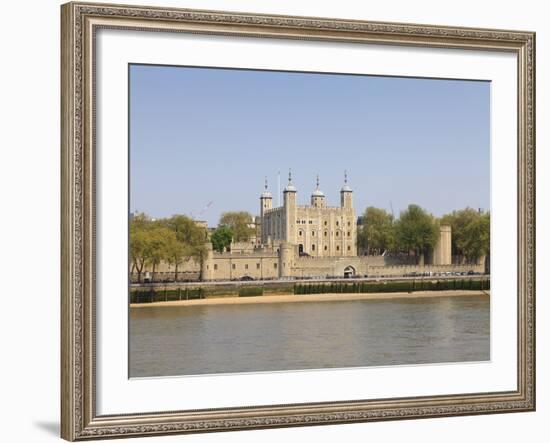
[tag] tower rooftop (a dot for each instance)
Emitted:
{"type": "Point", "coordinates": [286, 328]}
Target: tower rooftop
{"type": "Point", "coordinates": [317, 192]}
{"type": "Point", "coordinates": [346, 187]}
{"type": "Point", "coordinates": [266, 193]}
{"type": "Point", "coordinates": [290, 187]}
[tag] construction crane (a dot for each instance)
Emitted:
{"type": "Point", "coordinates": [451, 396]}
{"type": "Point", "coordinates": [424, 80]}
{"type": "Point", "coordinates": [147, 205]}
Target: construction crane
{"type": "Point", "coordinates": [203, 210]}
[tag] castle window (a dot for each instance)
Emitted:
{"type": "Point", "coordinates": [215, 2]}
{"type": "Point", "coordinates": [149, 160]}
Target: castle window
{"type": "Point", "coordinates": [326, 223]}
{"type": "Point", "coordinates": [326, 233]}
{"type": "Point", "coordinates": [215, 267]}
{"type": "Point", "coordinates": [310, 222]}
{"type": "Point", "coordinates": [257, 266]}
{"type": "Point", "coordinates": [313, 247]}
{"type": "Point", "coordinates": [326, 248]}
{"type": "Point", "coordinates": [275, 265]}
{"type": "Point", "coordinates": [349, 234]}
{"type": "Point", "coordinates": [349, 248]}
{"type": "Point", "coordinates": [246, 266]}
{"type": "Point", "coordinates": [337, 248]}
{"type": "Point", "coordinates": [233, 266]}
{"type": "Point", "coordinates": [337, 233]}
{"type": "Point", "coordinates": [349, 223]}
{"type": "Point", "coordinates": [337, 223]}
{"type": "Point", "coordinates": [300, 233]}
{"type": "Point", "coordinates": [313, 233]}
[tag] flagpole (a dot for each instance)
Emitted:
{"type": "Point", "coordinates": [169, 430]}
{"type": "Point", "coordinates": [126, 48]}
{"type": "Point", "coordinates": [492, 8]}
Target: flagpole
{"type": "Point", "coordinates": [279, 189]}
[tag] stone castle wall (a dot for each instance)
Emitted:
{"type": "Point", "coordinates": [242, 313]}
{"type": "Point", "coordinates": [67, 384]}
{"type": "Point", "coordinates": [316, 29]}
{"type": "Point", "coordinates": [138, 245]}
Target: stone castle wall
{"type": "Point", "coordinates": [400, 270]}
{"type": "Point", "coordinates": [329, 266]}
{"type": "Point", "coordinates": [258, 266]}
{"type": "Point", "coordinates": [287, 263]}
{"type": "Point", "coordinates": [391, 260]}
{"type": "Point", "coordinates": [442, 250]}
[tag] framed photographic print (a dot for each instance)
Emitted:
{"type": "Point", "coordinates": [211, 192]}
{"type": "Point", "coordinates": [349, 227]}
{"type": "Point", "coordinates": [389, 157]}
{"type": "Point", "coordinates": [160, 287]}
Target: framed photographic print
{"type": "Point", "coordinates": [283, 221]}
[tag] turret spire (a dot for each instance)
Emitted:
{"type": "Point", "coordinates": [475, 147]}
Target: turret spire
{"type": "Point", "coordinates": [266, 193]}
{"type": "Point", "coordinates": [317, 192]}
{"type": "Point", "coordinates": [290, 187]}
{"type": "Point", "coordinates": [346, 187]}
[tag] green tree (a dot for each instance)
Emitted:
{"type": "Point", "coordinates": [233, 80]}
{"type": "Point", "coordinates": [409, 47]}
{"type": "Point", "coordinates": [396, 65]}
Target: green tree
{"type": "Point", "coordinates": [458, 220]}
{"type": "Point", "coordinates": [477, 238]}
{"type": "Point", "coordinates": [139, 248]}
{"type": "Point", "coordinates": [221, 238]}
{"type": "Point", "coordinates": [191, 239]}
{"type": "Point", "coordinates": [240, 224]}
{"type": "Point", "coordinates": [416, 230]}
{"type": "Point", "coordinates": [377, 231]}
{"type": "Point", "coordinates": [159, 240]}
{"type": "Point", "coordinates": [174, 240]}
{"type": "Point", "coordinates": [176, 254]}
{"type": "Point", "coordinates": [470, 232]}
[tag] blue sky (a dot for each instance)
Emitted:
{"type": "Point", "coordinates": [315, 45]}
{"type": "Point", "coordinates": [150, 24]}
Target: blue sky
{"type": "Point", "coordinates": [202, 135]}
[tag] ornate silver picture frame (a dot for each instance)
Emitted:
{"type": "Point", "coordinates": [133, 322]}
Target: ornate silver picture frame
{"type": "Point", "coordinates": [80, 23]}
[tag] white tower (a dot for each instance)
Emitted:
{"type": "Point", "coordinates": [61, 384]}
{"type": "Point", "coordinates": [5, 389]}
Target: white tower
{"type": "Point", "coordinates": [318, 197]}
{"type": "Point", "coordinates": [266, 203]}
{"type": "Point", "coordinates": [346, 194]}
{"type": "Point", "coordinates": [289, 203]}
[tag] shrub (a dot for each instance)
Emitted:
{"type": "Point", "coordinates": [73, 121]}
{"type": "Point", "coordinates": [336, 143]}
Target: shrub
{"type": "Point", "coordinates": [390, 286]}
{"type": "Point", "coordinates": [251, 291]}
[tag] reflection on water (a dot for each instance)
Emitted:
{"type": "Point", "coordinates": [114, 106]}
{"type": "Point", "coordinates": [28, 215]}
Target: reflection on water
{"type": "Point", "coordinates": [285, 336]}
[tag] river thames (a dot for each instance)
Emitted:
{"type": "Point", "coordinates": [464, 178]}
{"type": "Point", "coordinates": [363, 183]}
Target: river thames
{"type": "Point", "coordinates": [213, 339]}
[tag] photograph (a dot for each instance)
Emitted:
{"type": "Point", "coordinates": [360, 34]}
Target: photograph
{"type": "Point", "coordinates": [294, 217]}
{"type": "Point", "coordinates": [289, 220]}
{"type": "Point", "coordinates": [275, 221]}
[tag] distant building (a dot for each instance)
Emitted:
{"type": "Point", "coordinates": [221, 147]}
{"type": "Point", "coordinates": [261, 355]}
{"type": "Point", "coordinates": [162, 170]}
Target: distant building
{"type": "Point", "coordinates": [310, 241]}
{"type": "Point", "coordinates": [317, 230]}
{"type": "Point", "coordinates": [201, 223]}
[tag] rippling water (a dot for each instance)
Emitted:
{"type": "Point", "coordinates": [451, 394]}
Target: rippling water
{"type": "Point", "coordinates": [284, 336]}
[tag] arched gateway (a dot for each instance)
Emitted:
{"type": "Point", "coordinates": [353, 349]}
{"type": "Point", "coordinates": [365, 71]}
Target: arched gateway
{"type": "Point", "coordinates": [349, 272]}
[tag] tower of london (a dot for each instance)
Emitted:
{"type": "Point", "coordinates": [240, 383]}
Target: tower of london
{"type": "Point", "coordinates": [315, 230]}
